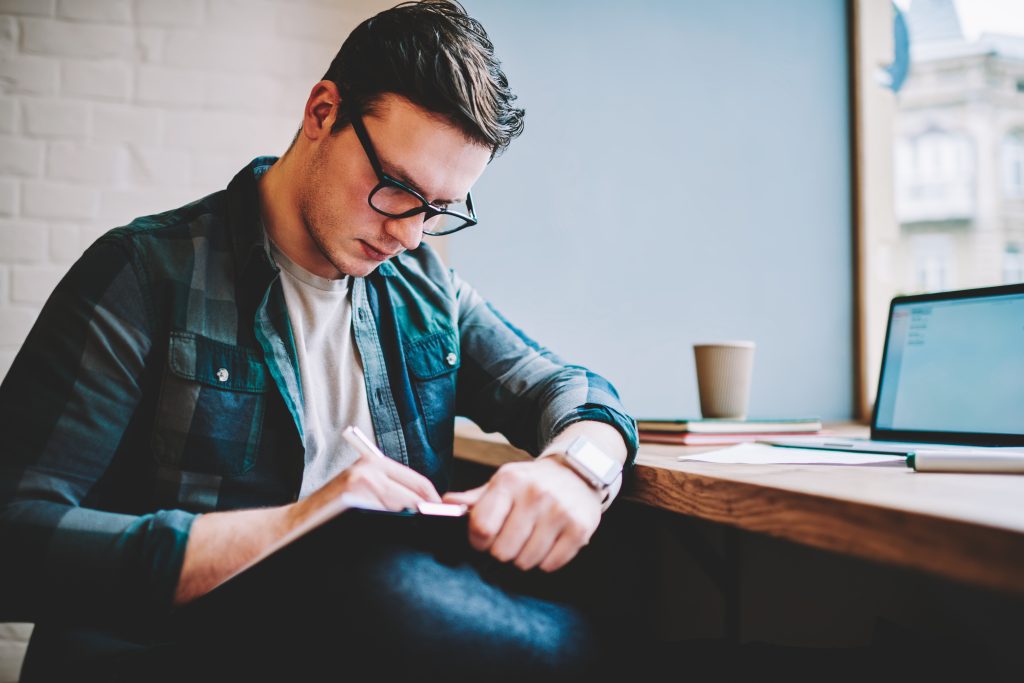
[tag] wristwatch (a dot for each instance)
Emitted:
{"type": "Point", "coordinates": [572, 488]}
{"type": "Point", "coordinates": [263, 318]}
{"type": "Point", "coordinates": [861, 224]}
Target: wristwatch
{"type": "Point", "coordinates": [591, 463]}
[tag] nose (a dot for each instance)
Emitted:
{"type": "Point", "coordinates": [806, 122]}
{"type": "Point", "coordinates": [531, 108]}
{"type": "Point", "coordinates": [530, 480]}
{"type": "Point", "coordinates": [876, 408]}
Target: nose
{"type": "Point", "coordinates": [406, 231]}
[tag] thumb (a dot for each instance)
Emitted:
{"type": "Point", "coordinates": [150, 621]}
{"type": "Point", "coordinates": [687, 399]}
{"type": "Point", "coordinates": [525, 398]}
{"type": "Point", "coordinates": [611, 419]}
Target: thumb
{"type": "Point", "coordinates": [469, 497]}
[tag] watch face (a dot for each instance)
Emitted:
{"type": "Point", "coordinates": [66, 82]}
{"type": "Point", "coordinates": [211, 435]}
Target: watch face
{"type": "Point", "coordinates": [602, 467]}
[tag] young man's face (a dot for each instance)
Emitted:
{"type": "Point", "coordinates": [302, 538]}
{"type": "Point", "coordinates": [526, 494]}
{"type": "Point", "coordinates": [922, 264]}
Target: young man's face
{"type": "Point", "coordinates": [414, 146]}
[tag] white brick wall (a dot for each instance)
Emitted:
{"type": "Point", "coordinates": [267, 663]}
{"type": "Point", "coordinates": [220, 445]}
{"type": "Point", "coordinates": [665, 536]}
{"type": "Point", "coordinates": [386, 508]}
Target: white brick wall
{"type": "Point", "coordinates": [111, 109]}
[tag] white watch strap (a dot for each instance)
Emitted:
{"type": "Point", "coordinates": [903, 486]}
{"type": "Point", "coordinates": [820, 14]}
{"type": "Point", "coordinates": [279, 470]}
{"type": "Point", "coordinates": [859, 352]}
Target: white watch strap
{"type": "Point", "coordinates": [609, 493]}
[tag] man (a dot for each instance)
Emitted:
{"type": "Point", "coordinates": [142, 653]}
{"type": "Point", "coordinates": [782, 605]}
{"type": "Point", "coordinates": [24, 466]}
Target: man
{"type": "Point", "coordinates": [177, 408]}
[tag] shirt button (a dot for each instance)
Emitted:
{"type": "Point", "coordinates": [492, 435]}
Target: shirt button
{"type": "Point", "coordinates": [222, 375]}
{"type": "Point", "coordinates": [451, 358]}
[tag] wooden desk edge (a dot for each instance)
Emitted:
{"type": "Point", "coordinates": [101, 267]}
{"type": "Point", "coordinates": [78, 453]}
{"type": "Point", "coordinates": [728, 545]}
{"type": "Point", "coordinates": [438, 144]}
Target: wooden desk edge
{"type": "Point", "coordinates": [967, 552]}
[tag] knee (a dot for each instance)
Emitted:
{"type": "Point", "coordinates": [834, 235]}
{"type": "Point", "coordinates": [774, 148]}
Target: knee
{"type": "Point", "coordinates": [420, 614]}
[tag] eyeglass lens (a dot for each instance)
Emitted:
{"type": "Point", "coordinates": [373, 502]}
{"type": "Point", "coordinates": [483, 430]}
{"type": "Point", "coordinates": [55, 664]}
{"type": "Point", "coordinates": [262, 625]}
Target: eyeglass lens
{"type": "Point", "coordinates": [391, 199]}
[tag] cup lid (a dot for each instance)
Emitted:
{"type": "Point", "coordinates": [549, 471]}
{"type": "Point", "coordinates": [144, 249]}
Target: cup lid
{"type": "Point", "coordinates": [736, 344]}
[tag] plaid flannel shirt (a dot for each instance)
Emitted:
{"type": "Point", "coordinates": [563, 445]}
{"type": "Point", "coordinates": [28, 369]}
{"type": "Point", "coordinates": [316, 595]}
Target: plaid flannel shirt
{"type": "Point", "coordinates": [160, 382]}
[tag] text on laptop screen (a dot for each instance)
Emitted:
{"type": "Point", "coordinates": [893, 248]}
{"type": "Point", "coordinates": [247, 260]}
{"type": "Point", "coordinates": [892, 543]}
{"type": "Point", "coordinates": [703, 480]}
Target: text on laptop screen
{"type": "Point", "coordinates": [955, 366]}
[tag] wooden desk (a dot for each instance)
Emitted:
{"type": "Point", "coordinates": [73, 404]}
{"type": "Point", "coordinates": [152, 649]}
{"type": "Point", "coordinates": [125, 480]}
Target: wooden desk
{"type": "Point", "coordinates": [965, 527]}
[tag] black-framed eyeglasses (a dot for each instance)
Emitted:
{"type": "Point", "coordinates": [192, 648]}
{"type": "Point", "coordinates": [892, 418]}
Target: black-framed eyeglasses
{"type": "Point", "coordinates": [395, 199]}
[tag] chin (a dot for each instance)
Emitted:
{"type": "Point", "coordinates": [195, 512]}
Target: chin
{"type": "Point", "coordinates": [356, 267]}
{"type": "Point", "coordinates": [363, 270]}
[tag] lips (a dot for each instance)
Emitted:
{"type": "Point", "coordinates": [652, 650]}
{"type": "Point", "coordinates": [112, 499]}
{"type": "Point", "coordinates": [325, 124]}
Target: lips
{"type": "Point", "coordinates": [376, 254]}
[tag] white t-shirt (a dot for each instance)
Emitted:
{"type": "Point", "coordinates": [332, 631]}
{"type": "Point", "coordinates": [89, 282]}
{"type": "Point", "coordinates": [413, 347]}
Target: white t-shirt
{"type": "Point", "coordinates": [330, 369]}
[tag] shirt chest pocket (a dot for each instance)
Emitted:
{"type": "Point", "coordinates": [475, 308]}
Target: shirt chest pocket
{"type": "Point", "coordinates": [433, 363]}
{"type": "Point", "coordinates": [209, 417]}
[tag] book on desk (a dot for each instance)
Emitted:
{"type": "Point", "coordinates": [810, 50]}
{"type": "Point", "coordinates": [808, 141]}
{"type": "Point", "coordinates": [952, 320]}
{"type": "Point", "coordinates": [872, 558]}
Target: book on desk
{"type": "Point", "coordinates": [716, 431]}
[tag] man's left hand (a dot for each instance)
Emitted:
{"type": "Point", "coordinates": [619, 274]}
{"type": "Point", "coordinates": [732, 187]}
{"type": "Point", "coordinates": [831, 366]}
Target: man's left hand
{"type": "Point", "coordinates": [535, 513]}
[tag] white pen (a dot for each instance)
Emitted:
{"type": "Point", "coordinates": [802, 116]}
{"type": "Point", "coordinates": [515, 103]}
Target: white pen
{"type": "Point", "coordinates": [967, 461]}
{"type": "Point", "coordinates": [367, 448]}
{"type": "Point", "coordinates": [361, 442]}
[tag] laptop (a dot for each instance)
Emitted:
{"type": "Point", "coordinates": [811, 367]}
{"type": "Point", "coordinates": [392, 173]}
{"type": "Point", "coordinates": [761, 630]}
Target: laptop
{"type": "Point", "coordinates": [952, 375]}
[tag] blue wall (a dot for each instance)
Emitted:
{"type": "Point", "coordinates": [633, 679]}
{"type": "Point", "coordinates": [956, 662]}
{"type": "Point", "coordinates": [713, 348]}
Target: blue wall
{"type": "Point", "coordinates": [684, 176]}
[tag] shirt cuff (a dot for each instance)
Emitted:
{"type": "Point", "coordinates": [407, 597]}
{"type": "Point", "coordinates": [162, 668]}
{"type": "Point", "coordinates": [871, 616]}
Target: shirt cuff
{"type": "Point", "coordinates": [161, 539]}
{"type": "Point", "coordinates": [596, 412]}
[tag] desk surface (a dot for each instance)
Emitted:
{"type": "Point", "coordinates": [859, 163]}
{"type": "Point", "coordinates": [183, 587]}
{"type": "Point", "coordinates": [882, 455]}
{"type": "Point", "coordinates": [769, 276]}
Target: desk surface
{"type": "Point", "coordinates": [965, 527]}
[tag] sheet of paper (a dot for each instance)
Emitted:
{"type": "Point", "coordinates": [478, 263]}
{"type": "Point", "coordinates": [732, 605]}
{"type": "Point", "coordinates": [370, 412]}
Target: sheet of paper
{"type": "Point", "coordinates": [763, 454]}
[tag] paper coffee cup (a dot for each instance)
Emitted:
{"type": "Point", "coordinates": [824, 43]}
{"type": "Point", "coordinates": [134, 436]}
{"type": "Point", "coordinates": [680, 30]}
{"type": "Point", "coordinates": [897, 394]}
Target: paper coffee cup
{"type": "Point", "coordinates": [724, 370]}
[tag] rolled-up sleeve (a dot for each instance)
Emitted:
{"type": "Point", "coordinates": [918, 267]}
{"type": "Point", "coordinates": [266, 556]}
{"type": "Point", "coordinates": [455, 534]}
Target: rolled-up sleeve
{"type": "Point", "coordinates": [510, 384]}
{"type": "Point", "coordinates": [65, 406]}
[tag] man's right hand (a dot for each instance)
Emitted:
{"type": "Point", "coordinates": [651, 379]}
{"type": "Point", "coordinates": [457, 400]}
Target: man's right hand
{"type": "Point", "coordinates": [220, 543]}
{"type": "Point", "coordinates": [378, 481]}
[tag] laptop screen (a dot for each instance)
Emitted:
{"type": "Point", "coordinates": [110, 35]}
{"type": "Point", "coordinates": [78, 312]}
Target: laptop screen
{"type": "Point", "coordinates": [954, 362]}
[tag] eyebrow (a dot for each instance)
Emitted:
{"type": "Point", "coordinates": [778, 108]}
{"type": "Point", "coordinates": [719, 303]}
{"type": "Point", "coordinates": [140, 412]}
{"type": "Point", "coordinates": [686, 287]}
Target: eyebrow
{"type": "Point", "coordinates": [397, 172]}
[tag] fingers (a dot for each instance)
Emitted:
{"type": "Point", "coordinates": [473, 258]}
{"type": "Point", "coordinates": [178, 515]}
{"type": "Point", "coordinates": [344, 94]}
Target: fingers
{"type": "Point", "coordinates": [375, 482]}
{"type": "Point", "coordinates": [487, 516]}
{"type": "Point", "coordinates": [396, 497]}
{"type": "Point", "coordinates": [470, 497]}
{"type": "Point", "coordinates": [532, 537]}
{"type": "Point", "coordinates": [538, 546]}
{"type": "Point", "coordinates": [375, 485]}
{"type": "Point", "coordinates": [531, 515]}
{"type": "Point", "coordinates": [514, 533]}
{"type": "Point", "coordinates": [406, 477]}
{"type": "Point", "coordinates": [564, 549]}
{"type": "Point", "coordinates": [550, 513]}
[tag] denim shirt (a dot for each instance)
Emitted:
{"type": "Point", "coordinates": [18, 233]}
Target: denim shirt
{"type": "Point", "coordinates": [161, 382]}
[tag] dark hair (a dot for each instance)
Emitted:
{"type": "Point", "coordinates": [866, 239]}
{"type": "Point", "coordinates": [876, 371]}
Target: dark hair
{"type": "Point", "coordinates": [436, 56]}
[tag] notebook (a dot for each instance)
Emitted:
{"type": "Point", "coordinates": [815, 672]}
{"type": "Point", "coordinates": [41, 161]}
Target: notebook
{"type": "Point", "coordinates": [952, 375]}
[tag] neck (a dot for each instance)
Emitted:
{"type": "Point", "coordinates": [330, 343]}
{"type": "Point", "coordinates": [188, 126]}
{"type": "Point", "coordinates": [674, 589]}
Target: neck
{"type": "Point", "coordinates": [282, 218]}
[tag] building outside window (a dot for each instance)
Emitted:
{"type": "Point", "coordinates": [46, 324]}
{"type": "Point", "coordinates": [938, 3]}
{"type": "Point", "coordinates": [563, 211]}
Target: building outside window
{"type": "Point", "coordinates": [951, 121]}
{"type": "Point", "coordinates": [958, 152]}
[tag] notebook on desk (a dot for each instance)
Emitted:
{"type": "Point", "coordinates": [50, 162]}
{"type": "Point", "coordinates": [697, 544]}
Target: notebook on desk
{"type": "Point", "coordinates": [952, 375]}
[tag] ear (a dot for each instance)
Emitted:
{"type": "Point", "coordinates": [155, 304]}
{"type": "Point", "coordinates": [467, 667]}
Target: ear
{"type": "Point", "coordinates": [321, 110]}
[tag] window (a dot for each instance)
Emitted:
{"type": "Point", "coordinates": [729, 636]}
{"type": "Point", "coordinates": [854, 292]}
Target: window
{"type": "Point", "coordinates": [1013, 264]}
{"type": "Point", "coordinates": [933, 265]}
{"type": "Point", "coordinates": [1013, 164]}
{"type": "Point", "coordinates": [948, 210]}
{"type": "Point", "coordinates": [935, 177]}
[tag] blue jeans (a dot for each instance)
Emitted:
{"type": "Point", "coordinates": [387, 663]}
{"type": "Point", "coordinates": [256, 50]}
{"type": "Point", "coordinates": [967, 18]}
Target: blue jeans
{"type": "Point", "coordinates": [369, 596]}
